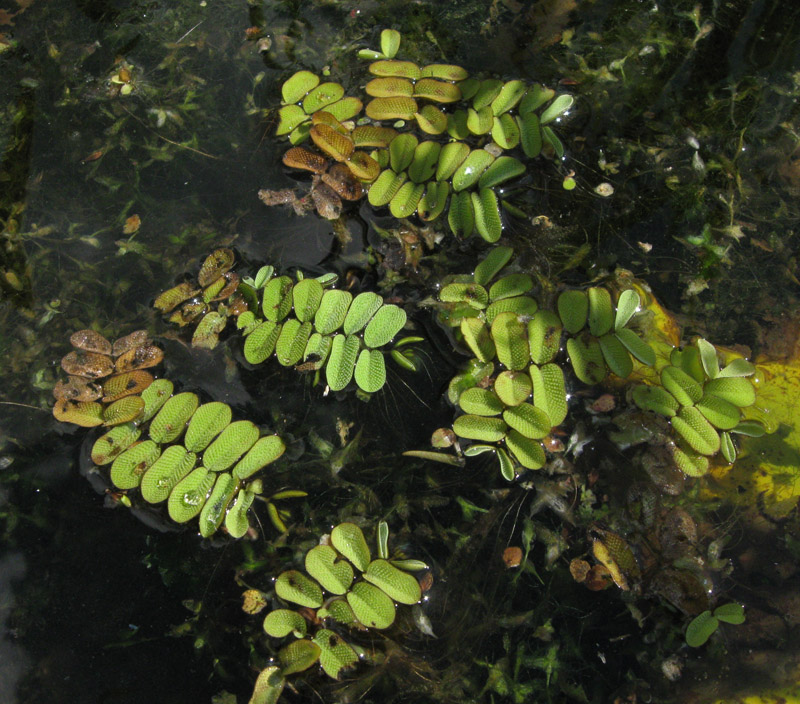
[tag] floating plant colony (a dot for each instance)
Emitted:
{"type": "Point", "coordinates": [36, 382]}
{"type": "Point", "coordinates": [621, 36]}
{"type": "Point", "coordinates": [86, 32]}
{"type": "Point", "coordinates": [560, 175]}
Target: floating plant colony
{"type": "Point", "coordinates": [454, 172]}
{"type": "Point", "coordinates": [345, 586]}
{"type": "Point", "coordinates": [704, 404]}
{"type": "Point", "coordinates": [181, 434]}
{"type": "Point", "coordinates": [304, 323]}
{"type": "Point", "coordinates": [510, 413]}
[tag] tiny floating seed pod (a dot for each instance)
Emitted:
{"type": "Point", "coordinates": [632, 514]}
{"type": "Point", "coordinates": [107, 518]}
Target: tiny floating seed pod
{"type": "Point", "coordinates": [371, 606]}
{"type": "Point", "coordinates": [297, 85]}
{"type": "Point", "coordinates": [573, 309]}
{"type": "Point", "coordinates": [164, 474]}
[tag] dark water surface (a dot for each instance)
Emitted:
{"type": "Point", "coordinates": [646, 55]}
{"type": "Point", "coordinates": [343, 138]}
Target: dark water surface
{"type": "Point", "coordinates": [689, 110]}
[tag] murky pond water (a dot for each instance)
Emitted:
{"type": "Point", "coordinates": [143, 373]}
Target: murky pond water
{"type": "Point", "coordinates": [136, 137]}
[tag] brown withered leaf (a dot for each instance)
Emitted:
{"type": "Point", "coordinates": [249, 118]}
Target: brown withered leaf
{"type": "Point", "coordinates": [76, 388]}
{"type": "Point", "coordinates": [90, 341]}
{"type": "Point", "coordinates": [215, 265]}
{"type": "Point", "coordinates": [139, 358]}
{"type": "Point", "coordinates": [129, 342]}
{"type": "Point", "coordinates": [90, 365]}
{"type": "Point", "coordinates": [126, 384]}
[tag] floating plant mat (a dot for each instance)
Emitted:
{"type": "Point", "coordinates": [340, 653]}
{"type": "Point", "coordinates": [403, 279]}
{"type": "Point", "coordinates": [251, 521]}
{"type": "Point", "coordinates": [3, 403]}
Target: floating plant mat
{"type": "Point", "coordinates": [165, 447]}
{"type": "Point", "coordinates": [409, 154]}
{"type": "Point", "coordinates": [303, 322]}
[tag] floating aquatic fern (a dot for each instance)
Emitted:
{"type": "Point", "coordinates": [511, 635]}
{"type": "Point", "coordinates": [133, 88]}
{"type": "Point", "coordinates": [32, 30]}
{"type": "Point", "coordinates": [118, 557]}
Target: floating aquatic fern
{"type": "Point", "coordinates": [455, 172]}
{"type": "Point", "coordinates": [343, 587]}
{"type": "Point", "coordinates": [209, 475]}
{"type": "Point", "coordinates": [305, 323]}
{"type": "Point", "coordinates": [704, 404]}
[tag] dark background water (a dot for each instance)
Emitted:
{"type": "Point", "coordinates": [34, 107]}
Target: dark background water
{"type": "Point", "coordinates": [688, 109]}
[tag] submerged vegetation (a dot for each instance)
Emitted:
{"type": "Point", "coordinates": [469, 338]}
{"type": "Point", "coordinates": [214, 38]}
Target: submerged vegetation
{"type": "Point", "coordinates": [648, 488]}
